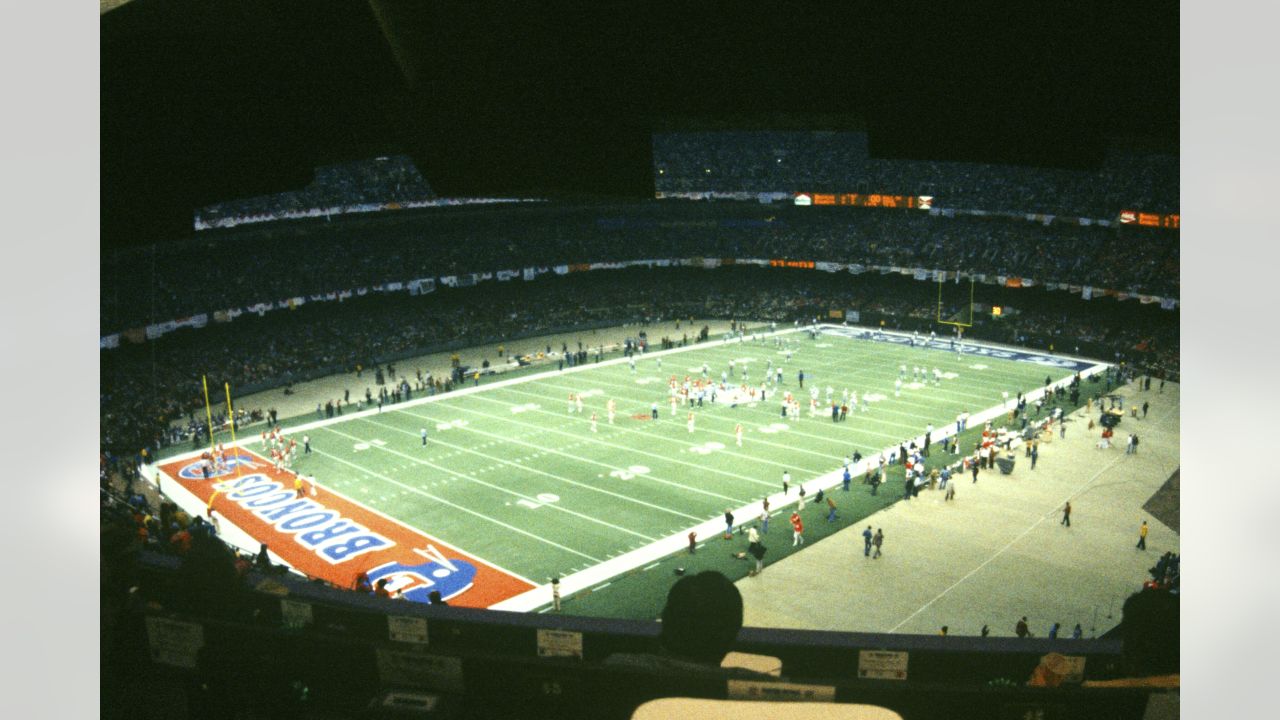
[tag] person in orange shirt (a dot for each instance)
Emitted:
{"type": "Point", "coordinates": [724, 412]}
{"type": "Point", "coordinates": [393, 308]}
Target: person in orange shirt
{"type": "Point", "coordinates": [797, 527]}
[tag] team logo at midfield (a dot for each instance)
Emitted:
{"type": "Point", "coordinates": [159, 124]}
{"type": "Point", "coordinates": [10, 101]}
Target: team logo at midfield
{"type": "Point", "coordinates": [451, 577]}
{"type": "Point", "coordinates": [191, 471]}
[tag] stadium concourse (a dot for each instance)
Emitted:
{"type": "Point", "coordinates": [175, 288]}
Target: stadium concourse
{"type": "Point", "coordinates": [999, 550]}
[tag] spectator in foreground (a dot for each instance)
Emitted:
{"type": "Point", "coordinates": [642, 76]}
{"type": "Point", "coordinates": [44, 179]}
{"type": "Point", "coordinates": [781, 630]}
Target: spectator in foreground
{"type": "Point", "coordinates": [1149, 629]}
{"type": "Point", "coordinates": [700, 623]}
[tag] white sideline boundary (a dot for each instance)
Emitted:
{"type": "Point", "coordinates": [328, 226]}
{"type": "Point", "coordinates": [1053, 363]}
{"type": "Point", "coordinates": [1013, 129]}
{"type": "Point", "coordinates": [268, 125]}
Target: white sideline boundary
{"type": "Point", "coordinates": [591, 577]}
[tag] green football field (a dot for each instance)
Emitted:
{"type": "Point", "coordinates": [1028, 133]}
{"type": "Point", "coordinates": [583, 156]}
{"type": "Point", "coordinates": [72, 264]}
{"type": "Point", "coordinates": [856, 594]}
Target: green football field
{"type": "Point", "coordinates": [511, 476]}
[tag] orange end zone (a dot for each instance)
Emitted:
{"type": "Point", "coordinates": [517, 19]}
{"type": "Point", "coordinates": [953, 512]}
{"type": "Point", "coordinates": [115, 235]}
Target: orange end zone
{"type": "Point", "coordinates": [327, 535]}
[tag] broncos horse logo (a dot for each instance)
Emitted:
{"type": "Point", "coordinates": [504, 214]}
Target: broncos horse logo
{"type": "Point", "coordinates": [415, 582]}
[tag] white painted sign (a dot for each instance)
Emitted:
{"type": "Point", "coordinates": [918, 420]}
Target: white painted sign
{"type": "Point", "coordinates": [559, 643]}
{"type": "Point", "coordinates": [174, 642]}
{"type": "Point", "coordinates": [882, 665]}
{"type": "Point", "coordinates": [296, 614]}
{"type": "Point", "coordinates": [408, 667]}
{"type": "Point", "coordinates": [775, 691]}
{"type": "Point", "coordinates": [407, 629]}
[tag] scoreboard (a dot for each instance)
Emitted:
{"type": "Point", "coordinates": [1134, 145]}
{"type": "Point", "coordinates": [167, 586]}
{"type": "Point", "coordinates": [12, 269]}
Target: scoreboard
{"type": "Point", "coordinates": [1133, 217]}
{"type": "Point", "coordinates": [919, 202]}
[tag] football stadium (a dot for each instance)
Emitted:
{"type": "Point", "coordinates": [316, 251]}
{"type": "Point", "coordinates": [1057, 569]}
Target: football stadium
{"type": "Point", "coordinates": [545, 406]}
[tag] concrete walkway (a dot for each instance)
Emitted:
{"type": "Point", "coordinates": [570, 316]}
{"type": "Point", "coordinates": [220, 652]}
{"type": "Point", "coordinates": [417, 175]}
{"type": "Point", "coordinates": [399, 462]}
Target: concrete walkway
{"type": "Point", "coordinates": [998, 551]}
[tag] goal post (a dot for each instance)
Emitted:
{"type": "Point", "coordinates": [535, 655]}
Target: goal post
{"type": "Point", "coordinates": [961, 317]}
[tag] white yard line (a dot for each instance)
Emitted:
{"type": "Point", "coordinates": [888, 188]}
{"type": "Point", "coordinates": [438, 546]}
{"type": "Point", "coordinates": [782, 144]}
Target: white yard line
{"type": "Point", "coordinates": [526, 468]}
{"type": "Point", "coordinates": [746, 407]}
{"type": "Point", "coordinates": [491, 486]}
{"type": "Point", "coordinates": [543, 429]}
{"type": "Point", "coordinates": [456, 506]}
{"type": "Point", "coordinates": [683, 442]}
{"type": "Point", "coordinates": [627, 449]}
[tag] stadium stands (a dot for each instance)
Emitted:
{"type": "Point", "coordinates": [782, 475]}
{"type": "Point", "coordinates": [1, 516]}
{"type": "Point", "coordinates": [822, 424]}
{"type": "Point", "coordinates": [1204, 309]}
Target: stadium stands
{"type": "Point", "coordinates": [336, 189]}
{"type": "Point", "coordinates": [239, 269]}
{"type": "Point", "coordinates": [760, 161]}
{"type": "Point", "coordinates": [788, 162]}
{"type": "Point", "coordinates": [146, 387]}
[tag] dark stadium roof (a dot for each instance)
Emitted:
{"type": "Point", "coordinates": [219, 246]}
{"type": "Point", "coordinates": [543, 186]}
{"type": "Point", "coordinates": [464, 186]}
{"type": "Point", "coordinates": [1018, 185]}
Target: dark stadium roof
{"type": "Point", "coordinates": [208, 100]}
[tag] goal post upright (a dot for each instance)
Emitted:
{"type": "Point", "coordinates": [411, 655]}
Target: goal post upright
{"type": "Point", "coordinates": [956, 322]}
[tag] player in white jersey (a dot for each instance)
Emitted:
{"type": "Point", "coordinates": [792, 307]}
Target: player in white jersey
{"type": "Point", "coordinates": [778, 377]}
{"type": "Point", "coordinates": [690, 422]}
{"type": "Point", "coordinates": [659, 364]}
{"type": "Point", "coordinates": [737, 431]}
{"type": "Point", "coordinates": [570, 403]}
{"type": "Point", "coordinates": [853, 399]}
{"type": "Point", "coordinates": [632, 362]}
{"type": "Point", "coordinates": [937, 377]}
{"type": "Point", "coordinates": [611, 406]}
{"type": "Point", "coordinates": [897, 387]}
{"type": "Point", "coordinates": [724, 377]}
{"type": "Point", "coordinates": [577, 402]}
{"type": "Point", "coordinates": [731, 364]}
{"type": "Point", "coordinates": [674, 402]}
{"type": "Point", "coordinates": [705, 370]}
{"type": "Point", "coordinates": [902, 371]}
{"type": "Point", "coordinates": [593, 423]}
{"type": "Point", "coordinates": [866, 405]}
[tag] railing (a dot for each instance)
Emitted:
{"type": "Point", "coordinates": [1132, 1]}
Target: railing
{"type": "Point", "coordinates": [344, 649]}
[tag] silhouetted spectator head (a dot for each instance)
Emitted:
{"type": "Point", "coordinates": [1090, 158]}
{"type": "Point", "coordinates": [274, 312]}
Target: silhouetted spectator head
{"type": "Point", "coordinates": [702, 617]}
{"type": "Point", "coordinates": [208, 581]}
{"type": "Point", "coordinates": [1149, 628]}
{"type": "Point", "coordinates": [435, 598]}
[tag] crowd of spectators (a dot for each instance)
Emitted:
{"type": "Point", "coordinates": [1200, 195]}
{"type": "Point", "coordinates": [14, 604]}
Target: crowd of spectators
{"type": "Point", "coordinates": [1148, 183]}
{"type": "Point", "coordinates": [759, 162]}
{"type": "Point", "coordinates": [335, 188]}
{"type": "Point", "coordinates": [176, 280]}
{"type": "Point", "coordinates": [146, 389]}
